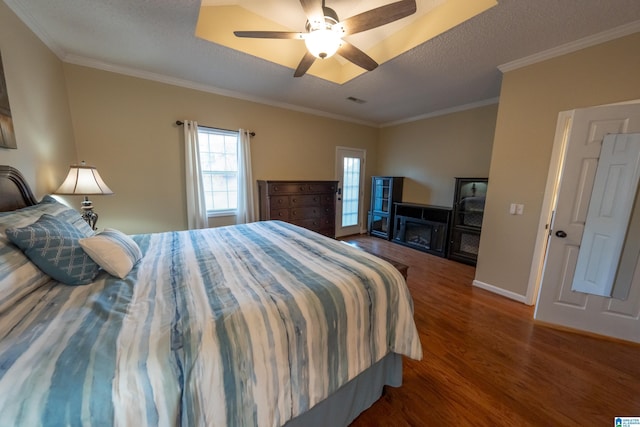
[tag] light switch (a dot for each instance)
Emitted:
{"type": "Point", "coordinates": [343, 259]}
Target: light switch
{"type": "Point", "coordinates": [519, 209]}
{"type": "Point", "coordinates": [512, 209]}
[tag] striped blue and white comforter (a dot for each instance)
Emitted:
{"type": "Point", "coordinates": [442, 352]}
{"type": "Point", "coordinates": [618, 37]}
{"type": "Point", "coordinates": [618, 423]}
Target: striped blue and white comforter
{"type": "Point", "coordinates": [235, 326]}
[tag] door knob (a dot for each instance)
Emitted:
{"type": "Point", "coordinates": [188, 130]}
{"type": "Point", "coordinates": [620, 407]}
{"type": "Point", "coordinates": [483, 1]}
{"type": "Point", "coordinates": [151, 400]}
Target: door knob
{"type": "Point", "coordinates": [561, 234]}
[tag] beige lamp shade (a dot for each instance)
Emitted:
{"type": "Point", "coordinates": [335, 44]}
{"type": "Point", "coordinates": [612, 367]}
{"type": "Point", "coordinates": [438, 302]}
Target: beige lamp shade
{"type": "Point", "coordinates": [84, 180]}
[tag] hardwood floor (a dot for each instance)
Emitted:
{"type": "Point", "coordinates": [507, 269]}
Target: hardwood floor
{"type": "Point", "coordinates": [487, 363]}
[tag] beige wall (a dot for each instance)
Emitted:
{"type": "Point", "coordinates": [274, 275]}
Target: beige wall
{"type": "Point", "coordinates": [530, 101]}
{"type": "Point", "coordinates": [125, 126]}
{"type": "Point", "coordinates": [429, 153]}
{"type": "Point", "coordinates": [39, 107]}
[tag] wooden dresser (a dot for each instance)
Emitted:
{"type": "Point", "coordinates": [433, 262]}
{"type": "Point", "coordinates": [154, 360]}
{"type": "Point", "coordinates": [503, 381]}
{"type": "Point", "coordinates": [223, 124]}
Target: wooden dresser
{"type": "Point", "coordinates": [309, 204]}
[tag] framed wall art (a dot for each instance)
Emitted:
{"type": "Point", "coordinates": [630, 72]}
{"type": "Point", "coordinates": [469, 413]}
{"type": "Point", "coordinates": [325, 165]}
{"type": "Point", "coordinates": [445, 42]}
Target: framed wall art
{"type": "Point", "coordinates": [7, 135]}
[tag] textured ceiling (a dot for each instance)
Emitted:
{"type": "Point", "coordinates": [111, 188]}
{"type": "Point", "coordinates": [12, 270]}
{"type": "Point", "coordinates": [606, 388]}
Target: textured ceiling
{"type": "Point", "coordinates": [156, 39]}
{"type": "Point", "coordinates": [217, 23]}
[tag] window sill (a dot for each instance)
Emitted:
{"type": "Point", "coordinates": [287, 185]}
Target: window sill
{"type": "Point", "coordinates": [218, 214]}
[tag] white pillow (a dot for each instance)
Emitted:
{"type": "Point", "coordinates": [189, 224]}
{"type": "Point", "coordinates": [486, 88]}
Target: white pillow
{"type": "Point", "coordinates": [112, 250]}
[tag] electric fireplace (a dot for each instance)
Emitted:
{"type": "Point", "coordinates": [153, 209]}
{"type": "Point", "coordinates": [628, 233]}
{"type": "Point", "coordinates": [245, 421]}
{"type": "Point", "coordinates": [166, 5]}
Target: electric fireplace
{"type": "Point", "coordinates": [422, 227]}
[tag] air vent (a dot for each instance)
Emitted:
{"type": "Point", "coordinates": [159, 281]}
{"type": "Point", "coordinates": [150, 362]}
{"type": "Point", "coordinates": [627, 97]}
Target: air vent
{"type": "Point", "coordinates": [356, 100]}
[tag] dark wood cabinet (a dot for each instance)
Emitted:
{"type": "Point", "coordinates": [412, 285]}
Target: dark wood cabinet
{"type": "Point", "coordinates": [309, 204]}
{"type": "Point", "coordinates": [385, 191]}
{"type": "Point", "coordinates": [468, 212]}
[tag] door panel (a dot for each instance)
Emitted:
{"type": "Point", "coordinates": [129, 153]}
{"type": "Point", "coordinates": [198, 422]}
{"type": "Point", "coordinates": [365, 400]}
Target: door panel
{"type": "Point", "coordinates": [557, 303]}
{"type": "Point", "coordinates": [565, 296]}
{"type": "Point", "coordinates": [583, 194]}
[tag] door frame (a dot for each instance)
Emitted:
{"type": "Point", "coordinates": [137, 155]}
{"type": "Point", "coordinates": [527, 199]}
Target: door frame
{"type": "Point", "coordinates": [545, 223]}
{"type": "Point", "coordinates": [361, 211]}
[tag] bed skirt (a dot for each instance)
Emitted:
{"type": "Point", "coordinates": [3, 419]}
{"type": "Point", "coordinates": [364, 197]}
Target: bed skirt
{"type": "Point", "coordinates": [344, 406]}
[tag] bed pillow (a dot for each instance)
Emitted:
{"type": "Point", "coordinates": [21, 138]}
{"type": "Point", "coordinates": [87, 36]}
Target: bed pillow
{"type": "Point", "coordinates": [53, 245]}
{"type": "Point", "coordinates": [48, 205]}
{"type": "Point", "coordinates": [18, 275]}
{"type": "Point", "coordinates": [113, 250]}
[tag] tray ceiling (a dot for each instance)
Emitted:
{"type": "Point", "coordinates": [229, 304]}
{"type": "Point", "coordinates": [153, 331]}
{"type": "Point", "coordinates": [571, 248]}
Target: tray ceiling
{"type": "Point", "coordinates": [452, 66]}
{"type": "Point", "coordinates": [218, 19]}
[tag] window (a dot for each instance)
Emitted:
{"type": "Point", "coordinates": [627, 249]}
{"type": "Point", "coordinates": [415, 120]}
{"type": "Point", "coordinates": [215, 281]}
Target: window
{"type": "Point", "coordinates": [351, 191]}
{"type": "Point", "coordinates": [219, 166]}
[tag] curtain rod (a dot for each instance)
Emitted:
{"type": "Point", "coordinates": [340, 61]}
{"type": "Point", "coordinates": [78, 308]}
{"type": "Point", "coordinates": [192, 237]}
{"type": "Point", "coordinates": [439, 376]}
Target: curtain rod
{"type": "Point", "coordinates": [180, 123]}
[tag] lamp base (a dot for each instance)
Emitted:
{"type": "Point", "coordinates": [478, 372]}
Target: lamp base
{"type": "Point", "coordinates": [88, 214]}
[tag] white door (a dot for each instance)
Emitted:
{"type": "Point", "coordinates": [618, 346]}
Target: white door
{"type": "Point", "coordinates": [581, 137]}
{"type": "Point", "coordinates": [350, 174]}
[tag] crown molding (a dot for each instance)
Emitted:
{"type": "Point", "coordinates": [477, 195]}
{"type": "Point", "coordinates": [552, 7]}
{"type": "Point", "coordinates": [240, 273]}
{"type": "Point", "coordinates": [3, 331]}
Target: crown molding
{"type": "Point", "coordinates": [451, 110]}
{"type": "Point", "coordinates": [605, 36]}
{"type": "Point", "coordinates": [160, 78]}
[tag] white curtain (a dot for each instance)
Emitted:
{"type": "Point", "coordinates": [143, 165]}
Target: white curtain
{"type": "Point", "coordinates": [196, 205]}
{"type": "Point", "coordinates": [246, 208]}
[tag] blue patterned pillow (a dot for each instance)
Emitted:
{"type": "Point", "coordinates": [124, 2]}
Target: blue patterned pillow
{"type": "Point", "coordinates": [113, 250]}
{"type": "Point", "coordinates": [52, 244]}
{"type": "Point", "coordinates": [48, 205]}
{"type": "Point", "coordinates": [18, 275]}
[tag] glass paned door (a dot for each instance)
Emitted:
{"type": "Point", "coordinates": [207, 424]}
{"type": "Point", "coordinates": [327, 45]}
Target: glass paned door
{"type": "Point", "coordinates": [351, 191]}
{"type": "Point", "coordinates": [350, 174]}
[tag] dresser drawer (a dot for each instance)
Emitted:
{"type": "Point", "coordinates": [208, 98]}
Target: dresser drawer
{"type": "Point", "coordinates": [328, 199]}
{"type": "Point", "coordinates": [309, 187]}
{"type": "Point", "coordinates": [315, 224]}
{"type": "Point", "coordinates": [306, 200]}
{"type": "Point", "coordinates": [312, 200]}
{"type": "Point", "coordinates": [279, 202]}
{"type": "Point", "coordinates": [286, 188]}
{"type": "Point", "coordinates": [310, 212]}
{"type": "Point", "coordinates": [322, 187]}
{"type": "Point", "coordinates": [281, 214]}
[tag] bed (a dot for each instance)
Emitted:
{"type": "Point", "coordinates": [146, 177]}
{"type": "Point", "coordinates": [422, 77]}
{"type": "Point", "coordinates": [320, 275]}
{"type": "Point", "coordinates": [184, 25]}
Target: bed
{"type": "Point", "coordinates": [263, 324]}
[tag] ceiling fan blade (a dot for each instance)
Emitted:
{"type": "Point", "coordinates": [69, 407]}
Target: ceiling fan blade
{"type": "Point", "coordinates": [312, 8]}
{"type": "Point", "coordinates": [269, 34]}
{"type": "Point", "coordinates": [304, 65]}
{"type": "Point", "coordinates": [358, 57]}
{"type": "Point", "coordinates": [377, 17]}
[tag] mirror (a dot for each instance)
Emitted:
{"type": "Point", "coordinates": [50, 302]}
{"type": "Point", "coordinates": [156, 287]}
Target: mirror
{"type": "Point", "coordinates": [607, 230]}
{"type": "Point", "coordinates": [630, 255]}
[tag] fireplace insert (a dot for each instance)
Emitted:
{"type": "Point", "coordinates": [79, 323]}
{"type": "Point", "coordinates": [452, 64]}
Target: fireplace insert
{"type": "Point", "coordinates": [422, 227]}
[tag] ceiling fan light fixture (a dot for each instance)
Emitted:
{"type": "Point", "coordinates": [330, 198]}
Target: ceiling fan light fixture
{"type": "Point", "coordinates": [323, 35]}
{"type": "Point", "coordinates": [323, 43]}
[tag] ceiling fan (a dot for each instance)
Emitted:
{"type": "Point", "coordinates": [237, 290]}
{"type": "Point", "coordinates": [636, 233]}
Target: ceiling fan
{"type": "Point", "coordinates": [324, 32]}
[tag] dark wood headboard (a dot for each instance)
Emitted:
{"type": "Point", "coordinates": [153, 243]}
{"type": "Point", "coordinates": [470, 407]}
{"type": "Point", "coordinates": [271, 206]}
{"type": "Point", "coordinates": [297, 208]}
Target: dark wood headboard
{"type": "Point", "coordinates": [14, 190]}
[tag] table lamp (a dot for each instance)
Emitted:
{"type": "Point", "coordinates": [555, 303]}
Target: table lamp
{"type": "Point", "coordinates": [84, 180]}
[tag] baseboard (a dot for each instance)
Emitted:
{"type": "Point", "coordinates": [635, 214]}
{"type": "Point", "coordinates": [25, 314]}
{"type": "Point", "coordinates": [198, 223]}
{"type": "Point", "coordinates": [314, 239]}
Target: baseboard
{"type": "Point", "coordinates": [500, 291]}
{"type": "Point", "coordinates": [586, 333]}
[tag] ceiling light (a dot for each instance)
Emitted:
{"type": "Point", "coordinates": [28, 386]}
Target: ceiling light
{"type": "Point", "coordinates": [323, 43]}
